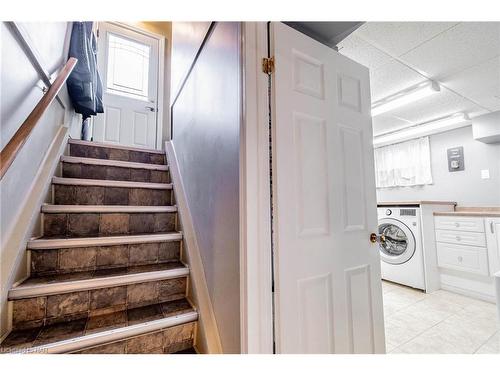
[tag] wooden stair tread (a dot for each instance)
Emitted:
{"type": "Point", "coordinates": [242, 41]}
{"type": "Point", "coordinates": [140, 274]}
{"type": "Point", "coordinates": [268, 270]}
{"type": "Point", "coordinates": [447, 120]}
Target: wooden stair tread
{"type": "Point", "coordinates": [113, 163]}
{"type": "Point", "coordinates": [115, 146]}
{"type": "Point", "coordinates": [81, 208]}
{"type": "Point", "coordinates": [78, 281]}
{"type": "Point", "coordinates": [107, 328]}
{"type": "Point", "coordinates": [65, 242]}
{"type": "Point", "coordinates": [110, 183]}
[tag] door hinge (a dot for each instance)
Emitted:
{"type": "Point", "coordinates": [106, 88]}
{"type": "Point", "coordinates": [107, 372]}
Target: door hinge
{"type": "Point", "coordinates": [268, 65]}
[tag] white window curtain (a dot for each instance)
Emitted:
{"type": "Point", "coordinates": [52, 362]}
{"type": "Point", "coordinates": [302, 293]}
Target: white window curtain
{"type": "Point", "coordinates": [403, 164]}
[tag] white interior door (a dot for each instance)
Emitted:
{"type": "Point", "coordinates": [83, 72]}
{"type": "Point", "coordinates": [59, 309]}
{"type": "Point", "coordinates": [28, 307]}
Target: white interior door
{"type": "Point", "coordinates": [128, 64]}
{"type": "Point", "coordinates": [328, 296]}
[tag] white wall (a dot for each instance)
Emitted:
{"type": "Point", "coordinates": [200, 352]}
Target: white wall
{"type": "Point", "coordinates": [206, 123]}
{"type": "Point", "coordinates": [19, 93]}
{"type": "Point", "coordinates": [188, 38]}
{"type": "Point", "coordinates": [465, 187]}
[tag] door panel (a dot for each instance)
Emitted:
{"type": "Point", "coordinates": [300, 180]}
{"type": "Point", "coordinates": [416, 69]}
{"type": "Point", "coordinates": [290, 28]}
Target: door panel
{"type": "Point", "coordinates": [140, 129]}
{"type": "Point", "coordinates": [312, 174]}
{"type": "Point", "coordinates": [316, 305]}
{"type": "Point", "coordinates": [111, 124]}
{"type": "Point", "coordinates": [128, 63]}
{"type": "Point", "coordinates": [327, 273]}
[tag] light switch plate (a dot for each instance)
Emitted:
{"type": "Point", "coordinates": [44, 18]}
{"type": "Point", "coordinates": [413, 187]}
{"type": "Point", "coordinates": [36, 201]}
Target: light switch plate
{"type": "Point", "coordinates": [485, 174]}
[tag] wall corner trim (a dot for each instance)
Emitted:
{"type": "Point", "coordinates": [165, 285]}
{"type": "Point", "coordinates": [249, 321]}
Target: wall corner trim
{"type": "Point", "coordinates": [208, 340]}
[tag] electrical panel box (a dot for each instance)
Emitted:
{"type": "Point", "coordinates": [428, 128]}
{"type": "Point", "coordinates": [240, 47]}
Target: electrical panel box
{"type": "Point", "coordinates": [456, 159]}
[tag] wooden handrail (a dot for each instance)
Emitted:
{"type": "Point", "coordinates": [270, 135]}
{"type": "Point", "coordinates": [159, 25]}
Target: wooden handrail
{"type": "Point", "coordinates": [10, 151]}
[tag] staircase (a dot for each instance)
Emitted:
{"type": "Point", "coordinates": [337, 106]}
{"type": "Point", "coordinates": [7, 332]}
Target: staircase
{"type": "Point", "coordinates": [106, 276]}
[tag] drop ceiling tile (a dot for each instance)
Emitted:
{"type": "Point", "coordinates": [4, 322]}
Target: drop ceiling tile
{"type": "Point", "coordinates": [398, 38]}
{"type": "Point", "coordinates": [456, 49]}
{"type": "Point", "coordinates": [392, 78]}
{"type": "Point", "coordinates": [362, 52]}
{"type": "Point", "coordinates": [444, 103]}
{"type": "Point", "coordinates": [481, 83]}
{"type": "Point", "coordinates": [384, 124]}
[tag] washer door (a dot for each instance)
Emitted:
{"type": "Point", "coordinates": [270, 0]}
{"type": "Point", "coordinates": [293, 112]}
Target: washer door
{"type": "Point", "coordinates": [399, 245]}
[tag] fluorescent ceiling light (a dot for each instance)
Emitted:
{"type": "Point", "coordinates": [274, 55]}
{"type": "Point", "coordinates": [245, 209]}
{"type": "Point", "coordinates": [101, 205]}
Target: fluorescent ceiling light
{"type": "Point", "coordinates": [437, 126]}
{"type": "Point", "coordinates": [404, 97]}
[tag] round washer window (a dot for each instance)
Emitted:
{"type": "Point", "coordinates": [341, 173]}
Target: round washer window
{"type": "Point", "coordinates": [396, 241]}
{"type": "Point", "coordinates": [399, 244]}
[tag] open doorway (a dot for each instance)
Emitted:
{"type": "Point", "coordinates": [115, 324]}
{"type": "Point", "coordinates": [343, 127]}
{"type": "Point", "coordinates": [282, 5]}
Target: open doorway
{"type": "Point", "coordinates": [434, 89]}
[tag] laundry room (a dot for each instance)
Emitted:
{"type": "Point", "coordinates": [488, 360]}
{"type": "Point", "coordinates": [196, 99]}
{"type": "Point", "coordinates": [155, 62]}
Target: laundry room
{"type": "Point", "coordinates": [435, 95]}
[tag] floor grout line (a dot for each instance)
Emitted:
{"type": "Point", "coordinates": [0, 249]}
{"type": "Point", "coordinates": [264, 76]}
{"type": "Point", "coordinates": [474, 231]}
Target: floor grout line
{"type": "Point", "coordinates": [425, 330]}
{"type": "Point", "coordinates": [484, 343]}
{"type": "Point", "coordinates": [461, 307]}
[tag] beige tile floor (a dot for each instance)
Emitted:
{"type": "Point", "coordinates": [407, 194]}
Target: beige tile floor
{"type": "Point", "coordinates": [439, 322]}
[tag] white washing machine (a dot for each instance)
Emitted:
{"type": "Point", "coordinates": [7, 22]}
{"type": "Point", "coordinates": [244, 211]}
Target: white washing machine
{"type": "Point", "coordinates": [401, 255]}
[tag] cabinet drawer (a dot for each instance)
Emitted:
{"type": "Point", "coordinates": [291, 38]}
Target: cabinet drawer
{"type": "Point", "coordinates": [461, 238]}
{"type": "Point", "coordinates": [463, 258]}
{"type": "Point", "coordinates": [462, 223]}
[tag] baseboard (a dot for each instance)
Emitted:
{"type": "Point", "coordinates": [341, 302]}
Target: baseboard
{"type": "Point", "coordinates": [468, 293]}
{"type": "Point", "coordinates": [14, 244]}
{"type": "Point", "coordinates": [208, 340]}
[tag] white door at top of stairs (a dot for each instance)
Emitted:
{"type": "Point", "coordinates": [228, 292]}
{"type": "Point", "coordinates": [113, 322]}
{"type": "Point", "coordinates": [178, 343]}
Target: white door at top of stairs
{"type": "Point", "coordinates": [128, 63]}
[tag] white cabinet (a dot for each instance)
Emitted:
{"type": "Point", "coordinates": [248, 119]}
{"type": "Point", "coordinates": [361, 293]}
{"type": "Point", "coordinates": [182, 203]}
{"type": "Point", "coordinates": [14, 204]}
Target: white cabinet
{"type": "Point", "coordinates": [461, 237]}
{"type": "Point", "coordinates": [461, 244]}
{"type": "Point", "coordinates": [467, 249]}
{"type": "Point", "coordinates": [470, 259]}
{"type": "Point", "coordinates": [461, 223]}
{"type": "Point", "coordinates": [493, 241]}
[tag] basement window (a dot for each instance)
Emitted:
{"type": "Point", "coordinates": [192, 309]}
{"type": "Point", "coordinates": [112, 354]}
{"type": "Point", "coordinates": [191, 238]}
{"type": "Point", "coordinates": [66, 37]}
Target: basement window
{"type": "Point", "coordinates": [403, 164]}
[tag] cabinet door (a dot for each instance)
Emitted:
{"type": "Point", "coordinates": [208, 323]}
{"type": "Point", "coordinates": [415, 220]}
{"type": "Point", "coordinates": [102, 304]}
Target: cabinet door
{"type": "Point", "coordinates": [493, 243]}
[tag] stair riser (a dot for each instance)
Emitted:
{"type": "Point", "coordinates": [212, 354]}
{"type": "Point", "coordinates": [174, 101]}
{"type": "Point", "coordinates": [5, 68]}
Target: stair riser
{"type": "Point", "coordinates": [116, 154]}
{"type": "Point", "coordinates": [105, 195]}
{"type": "Point", "coordinates": [106, 224]}
{"type": "Point", "coordinates": [103, 172]}
{"type": "Point", "coordinates": [169, 340]}
{"type": "Point", "coordinates": [43, 310]}
{"type": "Point", "coordinates": [58, 261]}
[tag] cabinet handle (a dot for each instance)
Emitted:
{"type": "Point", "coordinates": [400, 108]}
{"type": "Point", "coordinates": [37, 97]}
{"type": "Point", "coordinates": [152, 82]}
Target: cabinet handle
{"type": "Point", "coordinates": [457, 224]}
{"type": "Point", "coordinates": [460, 259]}
{"type": "Point", "coordinates": [492, 227]}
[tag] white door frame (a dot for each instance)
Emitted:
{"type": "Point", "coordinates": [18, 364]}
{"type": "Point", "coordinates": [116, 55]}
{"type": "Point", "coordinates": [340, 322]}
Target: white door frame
{"type": "Point", "coordinates": [256, 297]}
{"type": "Point", "coordinates": [160, 84]}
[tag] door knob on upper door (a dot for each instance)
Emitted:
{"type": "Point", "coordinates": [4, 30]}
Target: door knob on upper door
{"type": "Point", "coordinates": [375, 238]}
{"type": "Point", "coordinates": [152, 109]}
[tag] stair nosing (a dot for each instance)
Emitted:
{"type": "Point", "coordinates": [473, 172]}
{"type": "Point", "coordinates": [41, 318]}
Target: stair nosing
{"type": "Point", "coordinates": [66, 243]}
{"type": "Point", "coordinates": [80, 208]}
{"type": "Point", "coordinates": [110, 183]}
{"type": "Point", "coordinates": [47, 289]}
{"type": "Point", "coordinates": [111, 145]}
{"type": "Point", "coordinates": [112, 163]}
{"type": "Point", "coordinates": [113, 335]}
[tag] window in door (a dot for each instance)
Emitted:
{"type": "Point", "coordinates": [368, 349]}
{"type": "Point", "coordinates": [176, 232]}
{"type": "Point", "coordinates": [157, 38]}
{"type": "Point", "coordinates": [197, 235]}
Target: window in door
{"type": "Point", "coordinates": [128, 67]}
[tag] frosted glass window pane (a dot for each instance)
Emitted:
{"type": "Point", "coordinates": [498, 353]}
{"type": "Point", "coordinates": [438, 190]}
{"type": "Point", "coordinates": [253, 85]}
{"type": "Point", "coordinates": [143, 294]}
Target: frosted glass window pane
{"type": "Point", "coordinates": [128, 67]}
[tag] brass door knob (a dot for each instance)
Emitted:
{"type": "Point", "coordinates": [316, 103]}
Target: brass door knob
{"type": "Point", "coordinates": [375, 238]}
